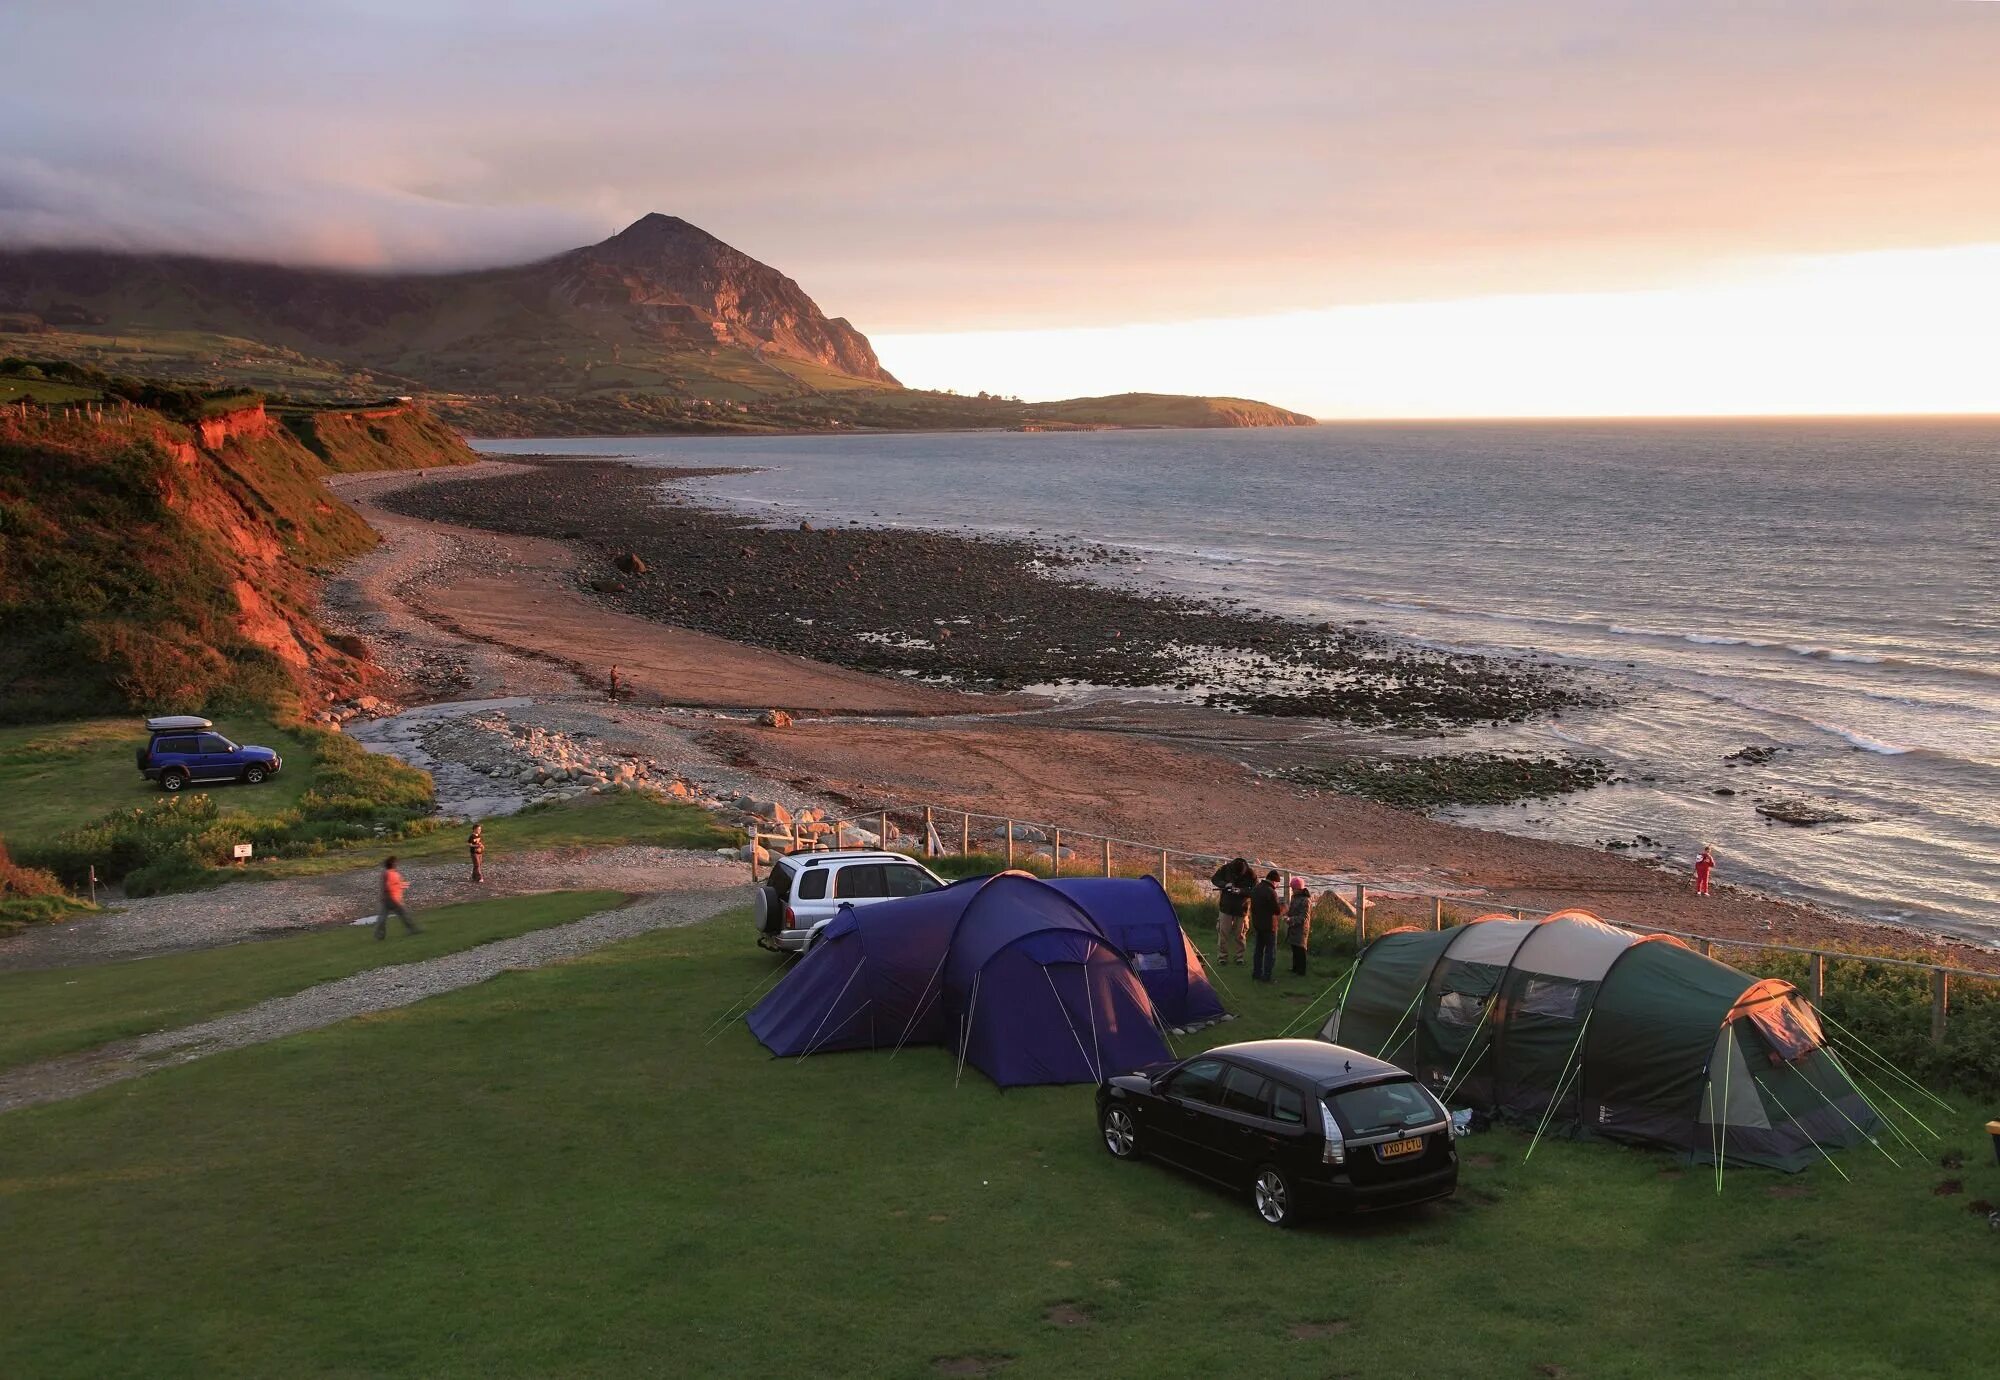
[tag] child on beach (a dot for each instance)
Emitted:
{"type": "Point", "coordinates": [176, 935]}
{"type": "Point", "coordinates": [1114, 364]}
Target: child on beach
{"type": "Point", "coordinates": [1703, 865]}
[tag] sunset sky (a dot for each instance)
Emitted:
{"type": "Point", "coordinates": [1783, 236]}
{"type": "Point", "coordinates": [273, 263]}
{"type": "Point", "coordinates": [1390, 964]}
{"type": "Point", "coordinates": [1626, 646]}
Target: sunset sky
{"type": "Point", "coordinates": [1460, 207]}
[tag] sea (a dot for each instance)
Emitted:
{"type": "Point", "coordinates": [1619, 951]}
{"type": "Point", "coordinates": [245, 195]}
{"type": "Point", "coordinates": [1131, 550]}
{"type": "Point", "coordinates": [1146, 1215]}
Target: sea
{"type": "Point", "coordinates": [1828, 590]}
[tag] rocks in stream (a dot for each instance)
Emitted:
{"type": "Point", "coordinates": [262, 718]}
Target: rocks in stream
{"type": "Point", "coordinates": [1803, 813]}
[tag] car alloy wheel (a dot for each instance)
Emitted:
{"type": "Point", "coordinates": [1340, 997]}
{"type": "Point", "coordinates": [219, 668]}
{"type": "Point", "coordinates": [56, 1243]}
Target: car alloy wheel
{"type": "Point", "coordinates": [1121, 1137]}
{"type": "Point", "coordinates": [253, 775]}
{"type": "Point", "coordinates": [172, 781]}
{"type": "Point", "coordinates": [1273, 1197]}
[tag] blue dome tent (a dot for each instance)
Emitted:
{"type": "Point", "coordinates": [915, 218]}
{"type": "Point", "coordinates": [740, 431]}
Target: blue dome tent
{"type": "Point", "coordinates": [1007, 972]}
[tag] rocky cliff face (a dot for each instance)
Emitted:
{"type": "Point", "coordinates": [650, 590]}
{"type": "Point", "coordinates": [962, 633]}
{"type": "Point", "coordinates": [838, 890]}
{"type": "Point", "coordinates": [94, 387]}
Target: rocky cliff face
{"type": "Point", "coordinates": [677, 283]}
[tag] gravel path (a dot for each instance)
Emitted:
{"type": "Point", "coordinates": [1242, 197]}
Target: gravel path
{"type": "Point", "coordinates": [379, 989]}
{"type": "Point", "coordinates": [244, 910]}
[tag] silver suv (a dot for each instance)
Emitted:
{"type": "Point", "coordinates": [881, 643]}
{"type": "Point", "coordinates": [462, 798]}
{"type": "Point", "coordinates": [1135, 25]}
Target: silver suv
{"type": "Point", "coordinates": [805, 890]}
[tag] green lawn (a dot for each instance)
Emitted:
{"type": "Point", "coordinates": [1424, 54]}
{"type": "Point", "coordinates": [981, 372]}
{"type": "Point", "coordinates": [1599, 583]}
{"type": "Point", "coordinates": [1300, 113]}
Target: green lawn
{"type": "Point", "coordinates": [61, 1010]}
{"type": "Point", "coordinates": [592, 820]}
{"type": "Point", "coordinates": [57, 776]}
{"type": "Point", "coordinates": [558, 1172]}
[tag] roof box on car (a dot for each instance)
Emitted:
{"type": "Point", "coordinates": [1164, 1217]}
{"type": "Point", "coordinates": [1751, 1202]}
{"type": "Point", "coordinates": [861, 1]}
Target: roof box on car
{"type": "Point", "coordinates": [168, 723]}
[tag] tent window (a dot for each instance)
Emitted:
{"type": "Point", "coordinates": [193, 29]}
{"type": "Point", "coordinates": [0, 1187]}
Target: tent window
{"type": "Point", "coordinates": [1790, 1027]}
{"type": "Point", "coordinates": [1557, 997]}
{"type": "Point", "coordinates": [1246, 1092]}
{"type": "Point", "coordinates": [1459, 1008]}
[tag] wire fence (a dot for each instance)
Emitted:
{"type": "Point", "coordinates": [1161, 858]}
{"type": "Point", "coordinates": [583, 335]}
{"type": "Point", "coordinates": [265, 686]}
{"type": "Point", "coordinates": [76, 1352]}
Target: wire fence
{"type": "Point", "coordinates": [1368, 907]}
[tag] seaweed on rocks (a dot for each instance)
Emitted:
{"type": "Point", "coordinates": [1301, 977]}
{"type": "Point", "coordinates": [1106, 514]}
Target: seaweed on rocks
{"type": "Point", "coordinates": [1455, 778]}
{"type": "Point", "coordinates": [978, 612]}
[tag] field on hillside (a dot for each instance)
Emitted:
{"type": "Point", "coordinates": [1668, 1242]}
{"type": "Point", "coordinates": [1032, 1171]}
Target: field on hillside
{"type": "Point", "coordinates": [590, 1169]}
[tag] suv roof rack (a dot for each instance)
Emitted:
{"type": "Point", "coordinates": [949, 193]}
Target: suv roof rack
{"type": "Point", "coordinates": [169, 723]}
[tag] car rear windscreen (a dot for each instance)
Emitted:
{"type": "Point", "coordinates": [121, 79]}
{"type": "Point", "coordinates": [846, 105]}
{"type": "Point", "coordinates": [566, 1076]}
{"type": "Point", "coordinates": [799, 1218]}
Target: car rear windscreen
{"type": "Point", "coordinates": [1384, 1107]}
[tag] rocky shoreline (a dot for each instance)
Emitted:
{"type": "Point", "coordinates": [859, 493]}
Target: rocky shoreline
{"type": "Point", "coordinates": [976, 612]}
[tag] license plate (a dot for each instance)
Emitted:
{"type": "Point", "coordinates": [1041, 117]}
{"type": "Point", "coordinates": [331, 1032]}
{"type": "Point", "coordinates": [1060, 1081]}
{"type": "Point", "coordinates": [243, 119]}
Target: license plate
{"type": "Point", "coordinates": [1394, 1148]}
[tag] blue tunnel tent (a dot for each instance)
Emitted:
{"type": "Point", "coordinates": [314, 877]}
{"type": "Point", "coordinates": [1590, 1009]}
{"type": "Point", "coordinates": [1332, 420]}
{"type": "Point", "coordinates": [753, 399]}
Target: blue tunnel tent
{"type": "Point", "coordinates": [1603, 1033]}
{"type": "Point", "coordinates": [1008, 973]}
{"type": "Point", "coordinates": [1138, 915]}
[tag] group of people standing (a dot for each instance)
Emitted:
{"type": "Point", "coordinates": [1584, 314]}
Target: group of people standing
{"type": "Point", "coordinates": [1246, 902]}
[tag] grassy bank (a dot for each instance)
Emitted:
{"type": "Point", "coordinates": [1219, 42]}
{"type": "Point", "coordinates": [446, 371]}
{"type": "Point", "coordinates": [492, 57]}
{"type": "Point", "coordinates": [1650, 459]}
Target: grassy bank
{"type": "Point", "coordinates": [62, 1010]}
{"type": "Point", "coordinates": [71, 798]}
{"type": "Point", "coordinates": [533, 1177]}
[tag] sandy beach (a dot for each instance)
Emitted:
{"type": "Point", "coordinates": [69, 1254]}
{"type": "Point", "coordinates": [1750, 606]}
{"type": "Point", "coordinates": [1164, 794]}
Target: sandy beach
{"type": "Point", "coordinates": [462, 612]}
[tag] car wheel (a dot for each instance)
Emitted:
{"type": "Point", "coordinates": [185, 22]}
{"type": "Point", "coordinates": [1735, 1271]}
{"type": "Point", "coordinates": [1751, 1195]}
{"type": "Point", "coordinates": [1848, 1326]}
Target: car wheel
{"type": "Point", "coordinates": [1271, 1194]}
{"type": "Point", "coordinates": [173, 779]}
{"type": "Point", "coordinates": [253, 775]}
{"type": "Point", "coordinates": [1121, 1134]}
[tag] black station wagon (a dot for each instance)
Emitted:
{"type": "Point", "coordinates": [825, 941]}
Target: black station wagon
{"type": "Point", "coordinates": [1306, 1126]}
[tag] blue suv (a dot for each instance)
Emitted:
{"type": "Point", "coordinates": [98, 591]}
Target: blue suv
{"type": "Point", "coordinates": [184, 748]}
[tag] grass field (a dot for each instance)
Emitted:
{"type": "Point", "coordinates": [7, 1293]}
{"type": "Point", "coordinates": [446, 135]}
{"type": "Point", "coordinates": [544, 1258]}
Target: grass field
{"type": "Point", "coordinates": [61, 1010]}
{"type": "Point", "coordinates": [563, 1172]}
{"type": "Point", "coordinates": [56, 776]}
{"type": "Point", "coordinates": [593, 820]}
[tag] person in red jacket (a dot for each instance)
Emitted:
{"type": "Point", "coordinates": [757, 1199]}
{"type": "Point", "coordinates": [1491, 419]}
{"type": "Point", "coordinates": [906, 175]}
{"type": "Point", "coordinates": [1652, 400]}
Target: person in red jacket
{"type": "Point", "coordinates": [393, 890]}
{"type": "Point", "coordinates": [1703, 865]}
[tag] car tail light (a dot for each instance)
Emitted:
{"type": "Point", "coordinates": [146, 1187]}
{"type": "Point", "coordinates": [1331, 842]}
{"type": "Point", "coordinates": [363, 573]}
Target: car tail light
{"type": "Point", "coordinates": [1336, 1146]}
{"type": "Point", "coordinates": [791, 918]}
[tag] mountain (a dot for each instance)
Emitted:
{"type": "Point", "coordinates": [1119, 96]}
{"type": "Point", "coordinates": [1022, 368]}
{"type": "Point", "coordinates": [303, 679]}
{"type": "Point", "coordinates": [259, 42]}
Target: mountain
{"type": "Point", "coordinates": [660, 327]}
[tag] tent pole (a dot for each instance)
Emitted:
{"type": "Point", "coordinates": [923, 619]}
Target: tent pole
{"type": "Point", "coordinates": [1562, 1083]}
{"type": "Point", "coordinates": [1470, 1041]}
{"type": "Point", "coordinates": [836, 1002]}
{"type": "Point", "coordinates": [1381, 1053]}
{"type": "Point", "coordinates": [1900, 1134]}
{"type": "Point", "coordinates": [1843, 1115]}
{"type": "Point", "coordinates": [965, 1041]}
{"type": "Point", "coordinates": [1071, 1024]}
{"type": "Point", "coordinates": [918, 1011]}
{"type": "Point", "coordinates": [1728, 1063]}
{"type": "Point", "coordinates": [1941, 1103]}
{"type": "Point", "coordinates": [1796, 1122]}
{"type": "Point", "coordinates": [1300, 1019]}
{"type": "Point", "coordinates": [1097, 1054]}
{"type": "Point", "coordinates": [830, 1034]}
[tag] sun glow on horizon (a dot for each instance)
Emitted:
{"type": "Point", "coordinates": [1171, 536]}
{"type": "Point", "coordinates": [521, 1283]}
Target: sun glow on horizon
{"type": "Point", "coordinates": [1887, 333]}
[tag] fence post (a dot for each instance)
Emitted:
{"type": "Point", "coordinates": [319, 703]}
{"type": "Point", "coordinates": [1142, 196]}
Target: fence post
{"type": "Point", "coordinates": [882, 834]}
{"type": "Point", "coordinates": [93, 882]}
{"type": "Point", "coordinates": [1437, 912]}
{"type": "Point", "coordinates": [1818, 978]}
{"type": "Point", "coordinates": [1360, 915]}
{"type": "Point", "coordinates": [1704, 948]}
{"type": "Point", "coordinates": [1010, 843]}
{"type": "Point", "coordinates": [1107, 856]}
{"type": "Point", "coordinates": [1163, 871]}
{"type": "Point", "coordinates": [1940, 1003]}
{"type": "Point", "coordinates": [1520, 912]}
{"type": "Point", "coordinates": [839, 834]}
{"type": "Point", "coordinates": [930, 832]}
{"type": "Point", "coordinates": [1055, 852]}
{"type": "Point", "coordinates": [964, 832]}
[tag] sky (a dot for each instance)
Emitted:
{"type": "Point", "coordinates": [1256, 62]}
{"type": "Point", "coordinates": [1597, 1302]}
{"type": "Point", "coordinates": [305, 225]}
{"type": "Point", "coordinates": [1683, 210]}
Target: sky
{"type": "Point", "coordinates": [1350, 207]}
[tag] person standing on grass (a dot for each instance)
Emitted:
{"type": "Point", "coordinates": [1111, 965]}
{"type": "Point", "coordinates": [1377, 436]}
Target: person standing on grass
{"type": "Point", "coordinates": [1264, 907]}
{"type": "Point", "coordinates": [476, 846]}
{"type": "Point", "coordinates": [1703, 865]}
{"type": "Point", "coordinates": [393, 889]}
{"type": "Point", "coordinates": [1298, 924]}
{"type": "Point", "coordinates": [1233, 882]}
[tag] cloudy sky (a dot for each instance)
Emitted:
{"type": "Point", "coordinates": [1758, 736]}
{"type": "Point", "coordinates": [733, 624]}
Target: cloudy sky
{"type": "Point", "coordinates": [1357, 207]}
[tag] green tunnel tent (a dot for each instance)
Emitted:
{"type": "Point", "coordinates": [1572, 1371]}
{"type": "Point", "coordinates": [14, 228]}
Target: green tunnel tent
{"type": "Point", "coordinates": [1607, 1034]}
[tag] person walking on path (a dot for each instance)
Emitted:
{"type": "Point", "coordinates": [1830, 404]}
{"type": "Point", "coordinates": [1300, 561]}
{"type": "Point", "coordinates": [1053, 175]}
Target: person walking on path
{"type": "Point", "coordinates": [1298, 924]}
{"type": "Point", "coordinates": [393, 888]}
{"type": "Point", "coordinates": [1233, 882]}
{"type": "Point", "coordinates": [476, 846]}
{"type": "Point", "coordinates": [1703, 865]}
{"type": "Point", "coordinates": [1264, 907]}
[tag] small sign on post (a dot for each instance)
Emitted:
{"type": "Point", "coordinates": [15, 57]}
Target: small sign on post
{"type": "Point", "coordinates": [241, 852]}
